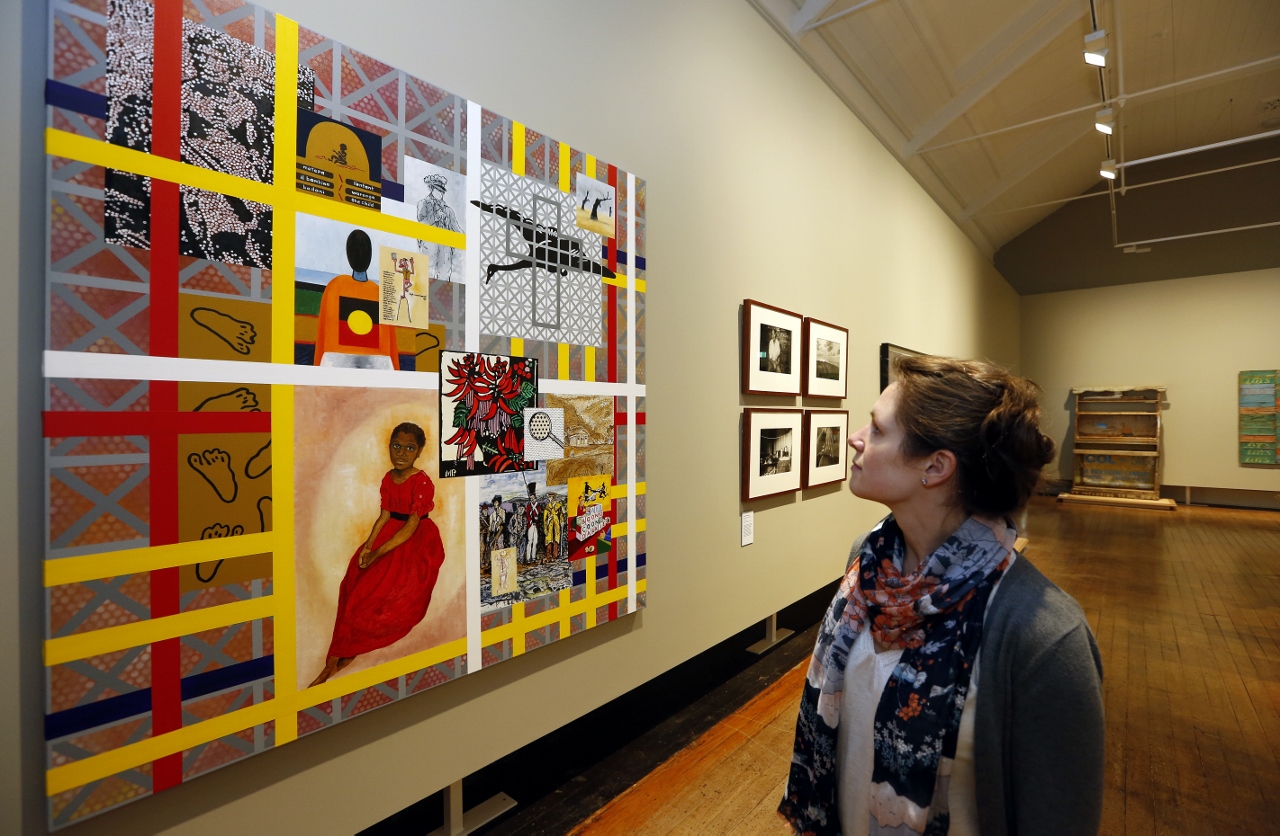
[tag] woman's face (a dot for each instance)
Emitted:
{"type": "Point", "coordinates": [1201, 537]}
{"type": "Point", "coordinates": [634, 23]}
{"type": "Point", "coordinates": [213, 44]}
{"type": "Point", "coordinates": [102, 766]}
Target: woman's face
{"type": "Point", "coordinates": [404, 450]}
{"type": "Point", "coordinates": [880, 473]}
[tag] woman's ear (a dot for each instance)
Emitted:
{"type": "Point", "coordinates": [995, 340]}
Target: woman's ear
{"type": "Point", "coordinates": [940, 466]}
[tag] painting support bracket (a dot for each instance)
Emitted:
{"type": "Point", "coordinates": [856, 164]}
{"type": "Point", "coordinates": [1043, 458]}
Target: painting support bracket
{"type": "Point", "coordinates": [457, 822]}
{"type": "Point", "coordinates": [773, 635]}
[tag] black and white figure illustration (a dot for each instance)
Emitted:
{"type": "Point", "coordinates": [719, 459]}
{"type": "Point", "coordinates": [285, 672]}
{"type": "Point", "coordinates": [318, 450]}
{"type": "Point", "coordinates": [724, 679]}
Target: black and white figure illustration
{"type": "Point", "coordinates": [775, 349]}
{"type": "Point", "coordinates": [541, 274]}
{"type": "Point", "coordinates": [594, 205]}
{"type": "Point", "coordinates": [826, 359]}
{"type": "Point", "coordinates": [775, 451]}
{"type": "Point", "coordinates": [523, 524]}
{"type": "Point", "coordinates": [436, 197]}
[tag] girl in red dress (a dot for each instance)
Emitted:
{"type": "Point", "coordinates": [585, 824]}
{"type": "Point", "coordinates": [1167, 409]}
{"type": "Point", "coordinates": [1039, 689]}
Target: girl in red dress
{"type": "Point", "coordinates": [388, 584]}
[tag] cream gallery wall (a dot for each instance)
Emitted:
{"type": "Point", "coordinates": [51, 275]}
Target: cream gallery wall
{"type": "Point", "coordinates": [757, 183]}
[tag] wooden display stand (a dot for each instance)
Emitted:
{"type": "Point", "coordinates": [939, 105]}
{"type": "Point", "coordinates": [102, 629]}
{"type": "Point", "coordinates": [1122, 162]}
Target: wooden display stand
{"type": "Point", "coordinates": [1118, 448]}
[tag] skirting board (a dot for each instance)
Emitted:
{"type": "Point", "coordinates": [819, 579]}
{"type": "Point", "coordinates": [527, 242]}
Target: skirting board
{"type": "Point", "coordinates": [1153, 504]}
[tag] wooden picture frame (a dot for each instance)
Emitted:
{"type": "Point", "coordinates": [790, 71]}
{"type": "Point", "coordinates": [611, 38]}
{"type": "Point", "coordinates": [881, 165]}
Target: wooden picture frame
{"type": "Point", "coordinates": [771, 340]}
{"type": "Point", "coordinates": [826, 360]}
{"type": "Point", "coordinates": [887, 352]}
{"type": "Point", "coordinates": [826, 432]}
{"type": "Point", "coordinates": [771, 442]}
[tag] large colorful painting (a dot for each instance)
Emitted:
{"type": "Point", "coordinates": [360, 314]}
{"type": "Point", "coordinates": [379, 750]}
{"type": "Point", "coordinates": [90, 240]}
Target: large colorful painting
{"type": "Point", "coordinates": [345, 391]}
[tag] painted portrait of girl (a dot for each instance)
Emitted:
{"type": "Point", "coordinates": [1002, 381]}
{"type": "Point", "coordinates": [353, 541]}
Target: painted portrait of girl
{"type": "Point", "coordinates": [380, 544]}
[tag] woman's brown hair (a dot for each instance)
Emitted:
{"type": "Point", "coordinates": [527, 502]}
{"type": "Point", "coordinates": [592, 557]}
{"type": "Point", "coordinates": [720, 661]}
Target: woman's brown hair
{"type": "Point", "coordinates": [987, 417]}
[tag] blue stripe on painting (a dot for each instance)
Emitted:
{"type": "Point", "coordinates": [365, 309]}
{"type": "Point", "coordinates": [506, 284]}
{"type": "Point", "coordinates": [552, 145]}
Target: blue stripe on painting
{"type": "Point", "coordinates": [580, 578]}
{"type": "Point", "coordinates": [622, 257]}
{"type": "Point", "coordinates": [85, 717]}
{"type": "Point", "coordinates": [639, 560]}
{"type": "Point", "coordinates": [392, 191]}
{"type": "Point", "coordinates": [73, 98]}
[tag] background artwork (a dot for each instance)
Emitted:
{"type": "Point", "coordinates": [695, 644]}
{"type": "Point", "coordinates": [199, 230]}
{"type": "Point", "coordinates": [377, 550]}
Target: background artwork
{"type": "Point", "coordinates": [437, 197]}
{"type": "Point", "coordinates": [1259, 411]}
{"type": "Point", "coordinates": [770, 463]}
{"type": "Point", "coordinates": [543, 434]}
{"type": "Point", "coordinates": [540, 274]}
{"type": "Point", "coordinates": [341, 440]}
{"type": "Point", "coordinates": [588, 437]}
{"type": "Point", "coordinates": [594, 206]}
{"type": "Point", "coordinates": [826, 359]}
{"type": "Point", "coordinates": [180, 501]}
{"type": "Point", "coordinates": [771, 350]}
{"type": "Point", "coordinates": [482, 403]}
{"type": "Point", "coordinates": [523, 533]}
{"type": "Point", "coordinates": [888, 351]}
{"type": "Point", "coordinates": [825, 457]}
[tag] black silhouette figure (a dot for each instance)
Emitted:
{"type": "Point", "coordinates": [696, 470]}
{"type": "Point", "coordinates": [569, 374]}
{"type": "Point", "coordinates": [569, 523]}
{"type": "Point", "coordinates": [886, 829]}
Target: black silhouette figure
{"type": "Point", "coordinates": [341, 156]}
{"type": "Point", "coordinates": [547, 248]}
{"type": "Point", "coordinates": [595, 208]}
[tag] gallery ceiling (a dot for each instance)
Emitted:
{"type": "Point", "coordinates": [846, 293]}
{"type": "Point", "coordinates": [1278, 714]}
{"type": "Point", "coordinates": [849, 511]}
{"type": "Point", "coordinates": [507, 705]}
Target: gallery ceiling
{"type": "Point", "coordinates": [990, 104]}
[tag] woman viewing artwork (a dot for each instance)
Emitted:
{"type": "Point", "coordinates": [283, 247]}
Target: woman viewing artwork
{"type": "Point", "coordinates": [936, 606]}
{"type": "Point", "coordinates": [388, 584]}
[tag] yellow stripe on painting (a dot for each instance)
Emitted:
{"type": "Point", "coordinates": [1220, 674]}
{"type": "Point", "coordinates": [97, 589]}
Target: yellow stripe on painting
{"type": "Point", "coordinates": [97, 767]}
{"type": "Point", "coordinates": [283, 579]}
{"type": "Point", "coordinates": [566, 163]}
{"type": "Point", "coordinates": [590, 167]}
{"type": "Point", "coordinates": [72, 775]}
{"type": "Point", "coordinates": [281, 195]}
{"type": "Point", "coordinates": [83, 645]}
{"type": "Point", "coordinates": [563, 612]}
{"type": "Point", "coordinates": [562, 361]}
{"type": "Point", "coordinates": [128, 561]}
{"type": "Point", "coordinates": [284, 243]}
{"type": "Point", "coordinates": [620, 491]}
{"type": "Point", "coordinates": [517, 148]}
{"type": "Point", "coordinates": [517, 347]}
{"type": "Point", "coordinates": [589, 362]}
{"type": "Point", "coordinates": [622, 529]}
{"type": "Point", "coordinates": [97, 152]}
{"type": "Point", "coordinates": [372, 219]}
{"type": "Point", "coordinates": [351, 683]}
{"type": "Point", "coordinates": [519, 627]}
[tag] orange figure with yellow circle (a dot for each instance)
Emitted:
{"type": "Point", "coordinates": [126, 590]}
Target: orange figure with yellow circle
{"type": "Point", "coordinates": [349, 334]}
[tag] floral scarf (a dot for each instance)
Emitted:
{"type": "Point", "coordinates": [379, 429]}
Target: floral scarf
{"type": "Point", "coordinates": [936, 615]}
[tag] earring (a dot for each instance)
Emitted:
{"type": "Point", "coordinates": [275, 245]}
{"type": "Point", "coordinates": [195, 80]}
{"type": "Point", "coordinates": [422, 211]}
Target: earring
{"type": "Point", "coordinates": [924, 482]}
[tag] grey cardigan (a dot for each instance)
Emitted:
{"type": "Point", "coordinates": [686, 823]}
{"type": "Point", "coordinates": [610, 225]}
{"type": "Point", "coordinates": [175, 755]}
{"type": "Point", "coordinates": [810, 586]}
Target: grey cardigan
{"type": "Point", "coordinates": [1038, 734]}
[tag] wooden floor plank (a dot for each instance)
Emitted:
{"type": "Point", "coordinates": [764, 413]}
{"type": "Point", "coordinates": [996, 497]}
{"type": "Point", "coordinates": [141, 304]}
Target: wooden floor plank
{"type": "Point", "coordinates": [1186, 610]}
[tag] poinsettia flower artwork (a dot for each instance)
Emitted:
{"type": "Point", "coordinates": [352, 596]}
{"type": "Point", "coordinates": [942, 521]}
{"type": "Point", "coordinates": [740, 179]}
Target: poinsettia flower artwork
{"type": "Point", "coordinates": [483, 397]}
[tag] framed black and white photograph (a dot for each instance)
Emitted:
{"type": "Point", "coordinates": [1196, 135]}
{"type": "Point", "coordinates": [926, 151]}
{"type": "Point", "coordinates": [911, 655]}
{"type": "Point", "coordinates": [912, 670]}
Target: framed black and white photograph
{"type": "Point", "coordinates": [826, 453]}
{"type": "Point", "coordinates": [771, 349]}
{"type": "Point", "coordinates": [888, 351]}
{"type": "Point", "coordinates": [772, 442]}
{"type": "Point", "coordinates": [826, 359]}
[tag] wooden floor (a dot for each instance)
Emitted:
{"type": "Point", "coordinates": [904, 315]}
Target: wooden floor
{"type": "Point", "coordinates": [1186, 610]}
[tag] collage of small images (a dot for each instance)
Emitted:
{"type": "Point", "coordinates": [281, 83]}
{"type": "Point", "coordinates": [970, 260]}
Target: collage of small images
{"type": "Point", "coordinates": [785, 354]}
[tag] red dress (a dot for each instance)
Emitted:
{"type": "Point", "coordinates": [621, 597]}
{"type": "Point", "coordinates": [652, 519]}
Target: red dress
{"type": "Point", "coordinates": [380, 605]}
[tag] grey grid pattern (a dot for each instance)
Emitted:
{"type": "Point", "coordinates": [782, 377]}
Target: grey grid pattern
{"type": "Point", "coordinates": [532, 303]}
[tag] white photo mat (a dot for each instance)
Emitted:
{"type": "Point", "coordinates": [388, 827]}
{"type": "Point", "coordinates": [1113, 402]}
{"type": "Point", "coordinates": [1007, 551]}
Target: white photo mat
{"type": "Point", "coordinates": [772, 451]}
{"type": "Point", "coordinates": [760, 345]}
{"type": "Point", "coordinates": [826, 346]}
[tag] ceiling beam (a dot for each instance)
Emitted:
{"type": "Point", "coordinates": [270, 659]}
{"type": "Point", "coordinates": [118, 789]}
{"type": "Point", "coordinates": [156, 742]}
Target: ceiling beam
{"type": "Point", "coordinates": [1048, 143]}
{"type": "Point", "coordinates": [819, 55]}
{"type": "Point", "coordinates": [811, 11]}
{"type": "Point", "coordinates": [1030, 37]}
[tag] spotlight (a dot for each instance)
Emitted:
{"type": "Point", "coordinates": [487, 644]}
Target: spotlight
{"type": "Point", "coordinates": [1095, 48]}
{"type": "Point", "coordinates": [1105, 121]}
{"type": "Point", "coordinates": [1108, 169]}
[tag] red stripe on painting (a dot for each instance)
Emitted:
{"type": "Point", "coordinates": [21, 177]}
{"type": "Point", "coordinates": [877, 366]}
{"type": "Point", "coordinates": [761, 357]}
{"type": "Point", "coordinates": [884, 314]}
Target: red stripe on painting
{"type": "Point", "coordinates": [75, 424]}
{"type": "Point", "coordinates": [613, 244]}
{"type": "Point", "coordinates": [166, 141]}
{"type": "Point", "coordinates": [620, 419]}
{"type": "Point", "coordinates": [611, 342]}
